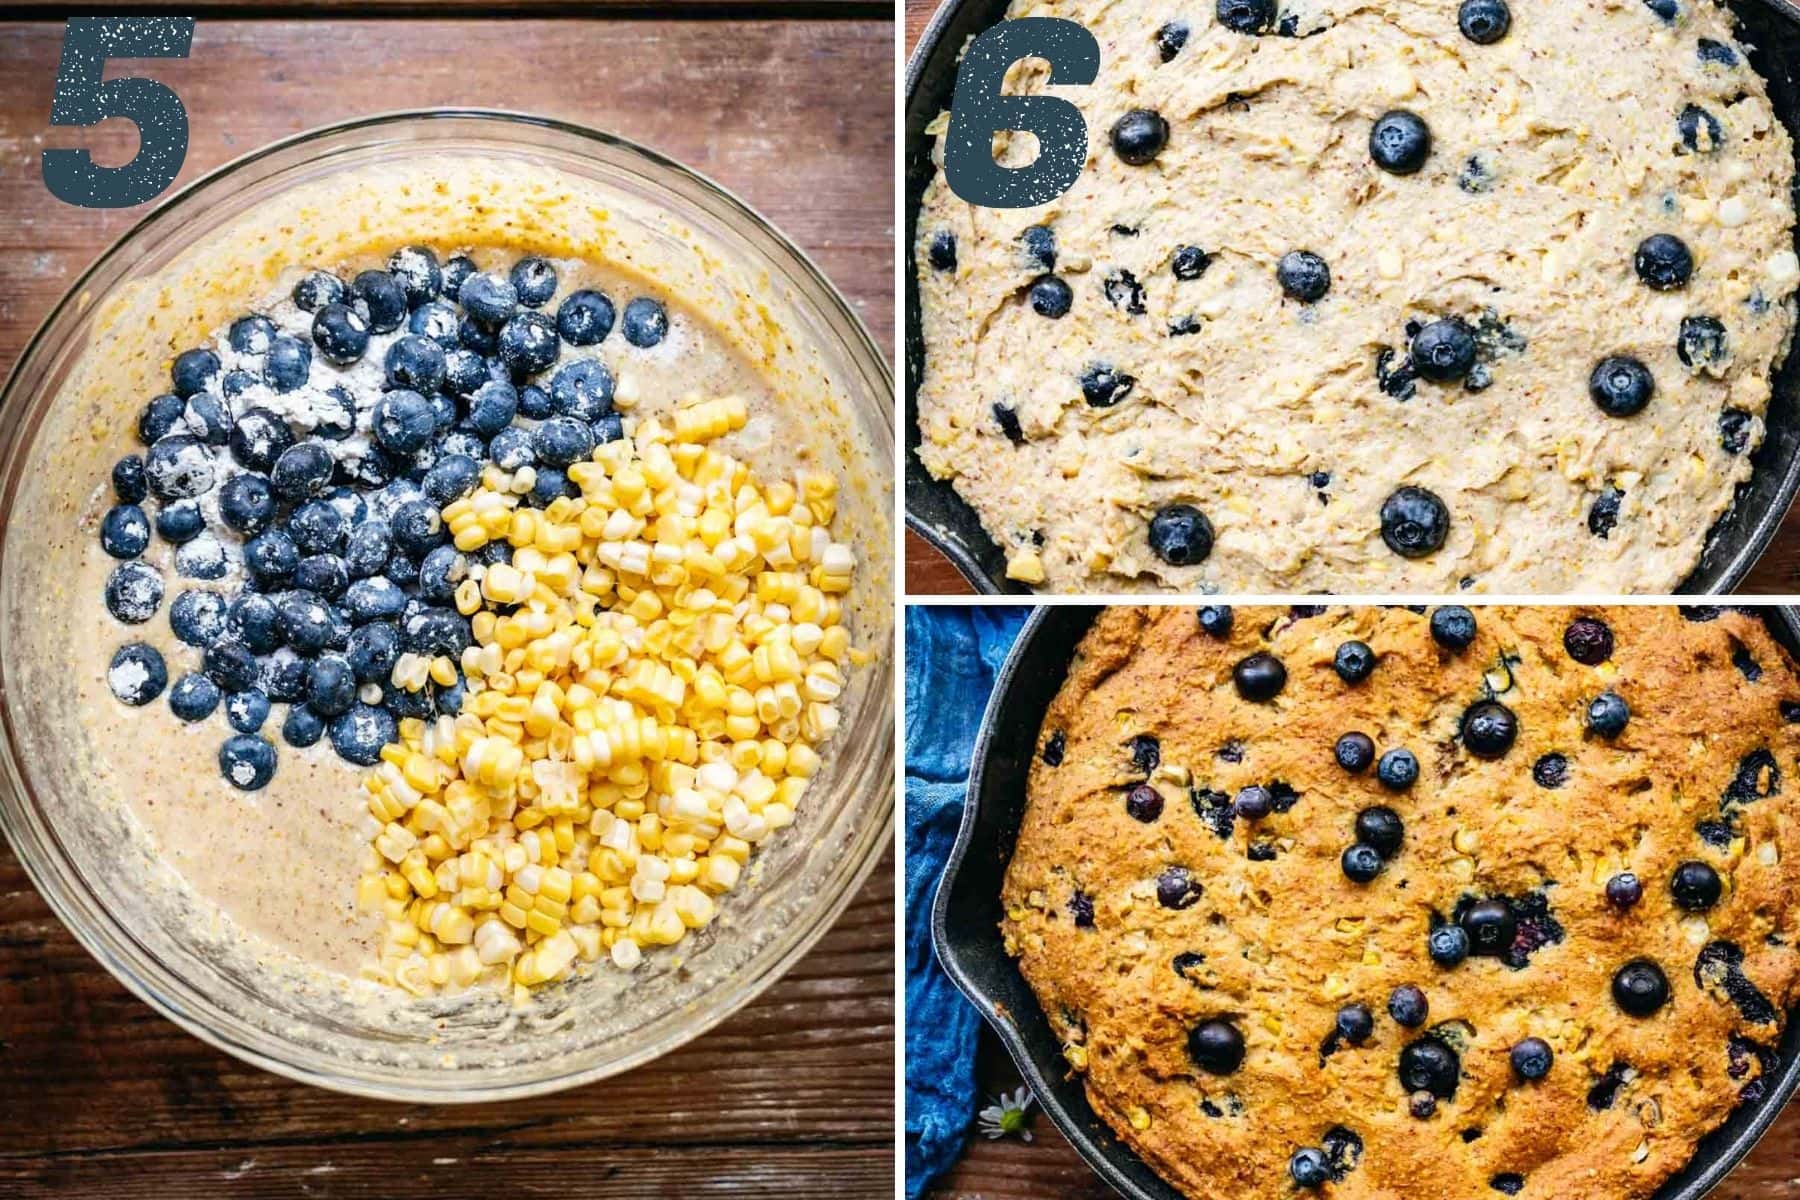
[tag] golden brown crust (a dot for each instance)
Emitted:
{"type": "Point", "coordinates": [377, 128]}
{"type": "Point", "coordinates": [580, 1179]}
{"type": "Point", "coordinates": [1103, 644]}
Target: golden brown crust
{"type": "Point", "coordinates": [1288, 941]}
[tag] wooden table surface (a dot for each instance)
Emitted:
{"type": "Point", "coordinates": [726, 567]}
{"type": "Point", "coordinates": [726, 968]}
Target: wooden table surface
{"type": "Point", "coordinates": [1047, 1166]}
{"type": "Point", "coordinates": [793, 1096]}
{"type": "Point", "coordinates": [929, 573]}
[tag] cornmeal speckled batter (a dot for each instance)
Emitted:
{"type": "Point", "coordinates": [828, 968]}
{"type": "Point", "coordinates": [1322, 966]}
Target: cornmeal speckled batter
{"type": "Point", "coordinates": [1184, 375]}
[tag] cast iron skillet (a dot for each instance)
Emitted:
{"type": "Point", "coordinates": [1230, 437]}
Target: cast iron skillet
{"type": "Point", "coordinates": [939, 515]}
{"type": "Point", "coordinates": [965, 924]}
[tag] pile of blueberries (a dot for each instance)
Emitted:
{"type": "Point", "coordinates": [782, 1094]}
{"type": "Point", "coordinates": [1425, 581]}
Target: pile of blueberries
{"type": "Point", "coordinates": [346, 561]}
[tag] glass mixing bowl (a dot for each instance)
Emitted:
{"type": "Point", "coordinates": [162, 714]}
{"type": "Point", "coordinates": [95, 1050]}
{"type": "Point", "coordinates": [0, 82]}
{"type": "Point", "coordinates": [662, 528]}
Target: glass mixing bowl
{"type": "Point", "coordinates": [92, 868]}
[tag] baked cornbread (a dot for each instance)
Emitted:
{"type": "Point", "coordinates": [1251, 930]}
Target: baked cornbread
{"type": "Point", "coordinates": [1397, 904]}
{"type": "Point", "coordinates": [1358, 297]}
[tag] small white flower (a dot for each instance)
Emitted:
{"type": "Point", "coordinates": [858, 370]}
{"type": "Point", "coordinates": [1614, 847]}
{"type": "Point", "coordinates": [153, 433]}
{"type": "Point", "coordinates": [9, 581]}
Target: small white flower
{"type": "Point", "coordinates": [1006, 1114]}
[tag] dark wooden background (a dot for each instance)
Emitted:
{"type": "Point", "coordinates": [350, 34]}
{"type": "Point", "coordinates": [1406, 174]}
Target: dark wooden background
{"type": "Point", "coordinates": [929, 573]}
{"type": "Point", "coordinates": [1047, 1167]}
{"type": "Point", "coordinates": [790, 106]}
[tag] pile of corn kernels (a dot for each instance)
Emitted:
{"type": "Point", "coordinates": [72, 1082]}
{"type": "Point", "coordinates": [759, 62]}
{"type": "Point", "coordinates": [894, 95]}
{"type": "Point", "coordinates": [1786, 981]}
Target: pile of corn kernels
{"type": "Point", "coordinates": [650, 680]}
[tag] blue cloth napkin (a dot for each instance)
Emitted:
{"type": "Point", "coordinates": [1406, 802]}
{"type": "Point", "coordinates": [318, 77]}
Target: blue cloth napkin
{"type": "Point", "coordinates": [952, 657]}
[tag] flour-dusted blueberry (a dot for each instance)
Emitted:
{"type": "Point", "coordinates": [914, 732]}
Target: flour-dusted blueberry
{"type": "Point", "coordinates": [246, 711]}
{"type": "Point", "coordinates": [464, 371]}
{"type": "Point", "coordinates": [1144, 803]}
{"type": "Point", "coordinates": [1216, 620]}
{"type": "Point", "coordinates": [317, 527]}
{"type": "Point", "coordinates": [251, 334]}
{"type": "Point", "coordinates": [403, 421]}
{"type": "Point", "coordinates": [1444, 351]}
{"type": "Point", "coordinates": [1354, 752]}
{"type": "Point", "coordinates": [1414, 522]}
{"type": "Point", "coordinates": [254, 621]}
{"type": "Point", "coordinates": [1381, 828]}
{"type": "Point", "coordinates": [416, 269]}
{"type": "Point", "coordinates": [1695, 886]}
{"type": "Point", "coordinates": [230, 664]}
{"type": "Point", "coordinates": [1051, 296]}
{"type": "Point", "coordinates": [436, 631]}
{"type": "Point", "coordinates": [208, 419]}
{"type": "Point", "coordinates": [305, 621]}
{"type": "Point", "coordinates": [1139, 136]}
{"type": "Point", "coordinates": [159, 417]}
{"type": "Point", "coordinates": [1309, 1169]}
{"type": "Point", "coordinates": [1171, 36]}
{"type": "Point", "coordinates": [1400, 142]}
{"type": "Point", "coordinates": [376, 598]}
{"type": "Point", "coordinates": [194, 371]}
{"type": "Point", "coordinates": [512, 449]}
{"type": "Point", "coordinates": [1361, 863]}
{"type": "Point", "coordinates": [383, 503]}
{"type": "Point", "coordinates": [1181, 535]}
{"type": "Point", "coordinates": [194, 697]}
{"type": "Point", "coordinates": [1588, 641]}
{"type": "Point", "coordinates": [478, 336]}
{"type": "Point", "coordinates": [1216, 1047]}
{"type": "Point", "coordinates": [1428, 1064]}
{"type": "Point", "coordinates": [1448, 945]}
{"type": "Point", "coordinates": [415, 362]}
{"type": "Point", "coordinates": [282, 676]}
{"type": "Point", "coordinates": [442, 569]}
{"type": "Point", "coordinates": [1490, 925]}
{"type": "Point", "coordinates": [198, 617]}
{"type": "Point", "coordinates": [258, 439]}
{"type": "Point", "coordinates": [1246, 16]}
{"type": "Point", "coordinates": [247, 762]}
{"type": "Point", "coordinates": [271, 557]}
{"type": "Point", "coordinates": [124, 531]}
{"type": "Point", "coordinates": [128, 482]}
{"type": "Point", "coordinates": [202, 557]}
{"type": "Point", "coordinates": [1700, 131]}
{"type": "Point", "coordinates": [450, 478]}
{"type": "Point", "coordinates": [1353, 661]}
{"type": "Point", "coordinates": [1177, 888]}
{"type": "Point", "coordinates": [288, 364]}
{"type": "Point", "coordinates": [317, 289]}
{"type": "Point", "coordinates": [1607, 714]}
{"type": "Point", "coordinates": [583, 390]}
{"type": "Point", "coordinates": [533, 280]}
{"type": "Point", "coordinates": [1640, 988]}
{"type": "Point", "coordinates": [645, 322]}
{"type": "Point", "coordinates": [561, 441]}
{"type": "Point", "coordinates": [303, 470]}
{"type": "Point", "coordinates": [137, 674]}
{"type": "Point", "coordinates": [1260, 677]}
{"type": "Point", "coordinates": [179, 467]}
{"type": "Point", "coordinates": [134, 591]}
{"type": "Point", "coordinates": [1408, 1007]}
{"type": "Point", "coordinates": [1702, 344]}
{"type": "Point", "coordinates": [492, 407]}
{"type": "Point", "coordinates": [1398, 769]}
{"type": "Point", "coordinates": [331, 686]}
{"type": "Point", "coordinates": [180, 522]}
{"type": "Point", "coordinates": [528, 344]}
{"type": "Point", "coordinates": [1664, 262]}
{"type": "Point", "coordinates": [323, 574]}
{"type": "Point", "coordinates": [1453, 627]}
{"type": "Point", "coordinates": [1531, 1059]}
{"type": "Point", "coordinates": [1621, 386]}
{"type": "Point", "coordinates": [373, 650]}
{"type": "Point", "coordinates": [417, 528]}
{"type": "Point", "coordinates": [236, 382]}
{"type": "Point", "coordinates": [367, 547]}
{"type": "Point", "coordinates": [1489, 729]}
{"type": "Point", "coordinates": [584, 318]}
{"type": "Point", "coordinates": [341, 333]}
{"type": "Point", "coordinates": [1484, 22]}
{"type": "Point", "coordinates": [1303, 276]}
{"type": "Point", "coordinates": [383, 299]}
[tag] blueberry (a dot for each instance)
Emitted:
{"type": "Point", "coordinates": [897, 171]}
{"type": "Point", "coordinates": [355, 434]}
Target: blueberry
{"type": "Point", "coordinates": [1717, 54]}
{"type": "Point", "coordinates": [1453, 627]}
{"type": "Point", "coordinates": [246, 711]}
{"type": "Point", "coordinates": [403, 421]}
{"type": "Point", "coordinates": [478, 337]}
{"type": "Point", "coordinates": [373, 599]}
{"type": "Point", "coordinates": [1254, 802]}
{"type": "Point", "coordinates": [415, 363]}
{"type": "Point", "coordinates": [271, 556]}
{"type": "Point", "coordinates": [1303, 276]}
{"type": "Point", "coordinates": [202, 558]}
{"type": "Point", "coordinates": [1181, 535]}
{"type": "Point", "coordinates": [442, 570]}
{"type": "Point", "coordinates": [303, 470]}
{"type": "Point", "coordinates": [1400, 143]}
{"type": "Point", "coordinates": [552, 484]}
{"type": "Point", "coordinates": [128, 481]}
{"type": "Point", "coordinates": [443, 417]}
{"type": "Point", "coordinates": [464, 371]}
{"type": "Point", "coordinates": [1624, 890]}
{"type": "Point", "coordinates": [511, 449]}
{"type": "Point", "coordinates": [1484, 22]}
{"type": "Point", "coordinates": [1407, 1005]}
{"type": "Point", "coordinates": [1702, 343]}
{"type": "Point", "coordinates": [305, 621]}
{"type": "Point", "coordinates": [402, 704]}
{"type": "Point", "coordinates": [585, 318]}
{"type": "Point", "coordinates": [256, 622]}
{"type": "Point", "coordinates": [1621, 386]}
{"type": "Point", "coordinates": [1444, 351]}
{"type": "Point", "coordinates": [1246, 16]}
{"type": "Point", "coordinates": [1489, 729]}
{"type": "Point", "coordinates": [1736, 426]}
{"type": "Point", "coordinates": [237, 381]}
{"type": "Point", "coordinates": [1170, 38]}
{"type": "Point", "coordinates": [258, 439]}
{"type": "Point", "coordinates": [247, 762]}
{"type": "Point", "coordinates": [1422, 1105]}
{"type": "Point", "coordinates": [302, 727]}
{"type": "Point", "coordinates": [160, 417]}
{"type": "Point", "coordinates": [1603, 516]}
{"type": "Point", "coordinates": [417, 528]}
{"type": "Point", "coordinates": [1353, 661]}
{"type": "Point", "coordinates": [1175, 888]}
{"type": "Point", "coordinates": [288, 364]}
{"type": "Point", "coordinates": [528, 344]}
{"type": "Point", "coordinates": [1308, 1166]}
{"type": "Point", "coordinates": [283, 676]}
{"type": "Point", "coordinates": [134, 592]}
{"type": "Point", "coordinates": [1139, 136]}
{"type": "Point", "coordinates": [1361, 863]}
{"type": "Point", "coordinates": [1588, 641]}
{"type": "Point", "coordinates": [1664, 262]}
{"type": "Point", "coordinates": [583, 390]}
{"type": "Point", "coordinates": [194, 371]}
{"type": "Point", "coordinates": [180, 522]}
{"type": "Point", "coordinates": [324, 574]}
{"type": "Point", "coordinates": [1216, 1047]}
{"type": "Point", "coordinates": [610, 428]}
{"type": "Point", "coordinates": [534, 281]}
{"type": "Point", "coordinates": [1050, 296]}
{"type": "Point", "coordinates": [359, 734]}
{"type": "Point", "coordinates": [1397, 770]}
{"type": "Point", "coordinates": [372, 652]}
{"type": "Point", "coordinates": [1491, 927]}
{"type": "Point", "coordinates": [1216, 620]}
{"type": "Point", "coordinates": [317, 289]}
{"type": "Point", "coordinates": [1668, 10]}
{"type": "Point", "coordinates": [230, 665]}
{"type": "Point", "coordinates": [1428, 1065]}
{"type": "Point", "coordinates": [450, 699]}
{"type": "Point", "coordinates": [1607, 714]}
{"type": "Point", "coordinates": [1414, 522]}
{"type": "Point", "coordinates": [208, 419]}
{"type": "Point", "coordinates": [137, 674]}
{"type": "Point", "coordinates": [492, 407]}
{"type": "Point", "coordinates": [198, 617]}
{"type": "Point", "coordinates": [179, 467]}
{"type": "Point", "coordinates": [383, 297]}
{"type": "Point", "coordinates": [561, 441]}
{"type": "Point", "coordinates": [941, 251]}
{"type": "Point", "coordinates": [1381, 828]}
{"type": "Point", "coordinates": [645, 323]}
{"type": "Point", "coordinates": [194, 697]}
{"type": "Point", "coordinates": [366, 549]}
{"type": "Point", "coordinates": [124, 531]}
{"type": "Point", "coordinates": [450, 478]}
{"type": "Point", "coordinates": [1355, 1023]}
{"type": "Point", "coordinates": [453, 274]}
{"type": "Point", "coordinates": [317, 527]}
{"type": "Point", "coordinates": [1354, 752]}
{"type": "Point", "coordinates": [1144, 803]}
{"type": "Point", "coordinates": [1189, 262]}
{"type": "Point", "coordinates": [336, 413]}
{"type": "Point", "coordinates": [341, 333]}
{"type": "Point", "coordinates": [1700, 131]}
{"type": "Point", "coordinates": [1259, 678]}
{"type": "Point", "coordinates": [1696, 886]}
{"type": "Point", "coordinates": [416, 269]}
{"type": "Point", "coordinates": [383, 503]}
{"type": "Point", "coordinates": [331, 686]}
{"type": "Point", "coordinates": [1102, 386]}
{"type": "Point", "coordinates": [437, 631]}
{"type": "Point", "coordinates": [1640, 987]}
